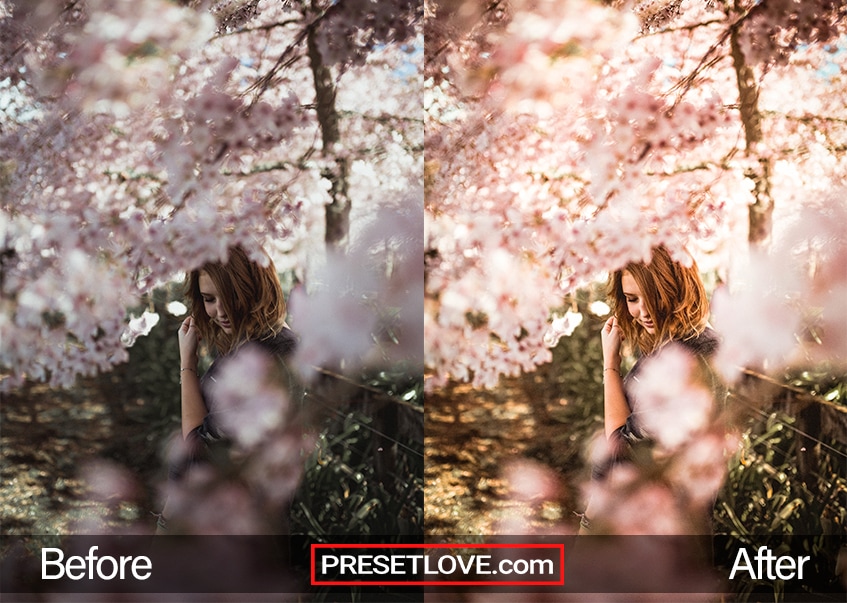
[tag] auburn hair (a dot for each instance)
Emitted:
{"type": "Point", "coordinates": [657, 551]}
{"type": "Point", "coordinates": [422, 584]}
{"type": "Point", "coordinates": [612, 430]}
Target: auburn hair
{"type": "Point", "coordinates": [251, 296]}
{"type": "Point", "coordinates": [672, 293]}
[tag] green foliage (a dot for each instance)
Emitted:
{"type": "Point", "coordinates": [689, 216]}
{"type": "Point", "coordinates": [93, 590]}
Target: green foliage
{"type": "Point", "coordinates": [348, 487]}
{"type": "Point", "coordinates": [771, 498]}
{"type": "Point", "coordinates": [576, 376]}
{"type": "Point", "coordinates": [149, 382]}
{"type": "Point", "coordinates": [365, 477]}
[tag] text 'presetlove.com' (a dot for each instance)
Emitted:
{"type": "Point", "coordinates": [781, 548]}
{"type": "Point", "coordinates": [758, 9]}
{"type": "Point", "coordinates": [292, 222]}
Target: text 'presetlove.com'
{"type": "Point", "coordinates": [438, 564]}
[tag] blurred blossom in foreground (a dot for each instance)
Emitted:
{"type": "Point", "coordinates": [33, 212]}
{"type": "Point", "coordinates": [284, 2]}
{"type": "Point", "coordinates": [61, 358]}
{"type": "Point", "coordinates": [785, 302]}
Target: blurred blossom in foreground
{"type": "Point", "coordinates": [531, 481]}
{"type": "Point", "coordinates": [255, 405]}
{"type": "Point", "coordinates": [368, 306]}
{"type": "Point", "coordinates": [109, 482]}
{"type": "Point", "coordinates": [251, 407]}
{"type": "Point", "coordinates": [211, 506]}
{"type": "Point", "coordinates": [176, 308]}
{"type": "Point", "coordinates": [700, 467]}
{"type": "Point", "coordinates": [671, 404]}
{"type": "Point", "coordinates": [599, 308]}
{"type": "Point", "coordinates": [671, 482]}
{"type": "Point", "coordinates": [257, 412]}
{"type": "Point", "coordinates": [562, 326]}
{"type": "Point", "coordinates": [757, 322]}
{"type": "Point", "coordinates": [788, 306]}
{"type": "Point", "coordinates": [276, 468]}
{"type": "Point", "coordinates": [138, 327]}
{"type": "Point", "coordinates": [627, 504]}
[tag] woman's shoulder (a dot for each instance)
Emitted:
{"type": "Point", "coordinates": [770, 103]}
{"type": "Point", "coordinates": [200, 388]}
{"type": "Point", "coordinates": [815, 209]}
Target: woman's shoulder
{"type": "Point", "coordinates": [281, 344]}
{"type": "Point", "coordinates": [703, 344]}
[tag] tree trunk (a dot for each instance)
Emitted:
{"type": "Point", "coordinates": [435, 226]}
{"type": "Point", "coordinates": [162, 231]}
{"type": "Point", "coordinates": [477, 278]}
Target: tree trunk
{"type": "Point", "coordinates": [338, 210]}
{"type": "Point", "coordinates": [761, 209]}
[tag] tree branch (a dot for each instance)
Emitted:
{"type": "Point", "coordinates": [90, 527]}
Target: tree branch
{"type": "Point", "coordinates": [288, 57]}
{"type": "Point", "coordinates": [707, 60]}
{"type": "Point", "coordinates": [382, 118]}
{"type": "Point", "coordinates": [248, 30]}
{"type": "Point", "coordinates": [689, 27]}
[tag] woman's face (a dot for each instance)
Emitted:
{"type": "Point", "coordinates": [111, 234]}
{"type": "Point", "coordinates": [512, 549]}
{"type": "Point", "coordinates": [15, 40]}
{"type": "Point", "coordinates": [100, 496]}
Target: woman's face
{"type": "Point", "coordinates": [212, 304]}
{"type": "Point", "coordinates": [635, 303]}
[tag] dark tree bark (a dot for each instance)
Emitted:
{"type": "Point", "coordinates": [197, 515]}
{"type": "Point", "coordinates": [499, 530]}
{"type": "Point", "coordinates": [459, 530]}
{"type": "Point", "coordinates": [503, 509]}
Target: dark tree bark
{"type": "Point", "coordinates": [761, 210]}
{"type": "Point", "coordinates": [338, 210]}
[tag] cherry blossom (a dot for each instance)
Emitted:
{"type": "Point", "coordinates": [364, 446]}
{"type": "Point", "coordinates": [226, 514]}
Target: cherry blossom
{"type": "Point", "coordinates": [376, 287]}
{"type": "Point", "coordinates": [576, 149]}
{"type": "Point", "coordinates": [626, 504]}
{"type": "Point", "coordinates": [144, 139]}
{"type": "Point", "coordinates": [139, 327]}
{"type": "Point", "coordinates": [562, 326]}
{"type": "Point", "coordinates": [251, 407]}
{"type": "Point", "coordinates": [176, 308]}
{"type": "Point", "coordinates": [530, 481]}
{"type": "Point", "coordinates": [672, 404]}
{"type": "Point", "coordinates": [785, 294]}
{"type": "Point", "coordinates": [599, 308]}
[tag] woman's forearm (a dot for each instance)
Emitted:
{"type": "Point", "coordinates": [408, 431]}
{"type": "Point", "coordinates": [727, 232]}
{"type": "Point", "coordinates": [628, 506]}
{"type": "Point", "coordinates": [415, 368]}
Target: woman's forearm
{"type": "Point", "coordinates": [193, 408]}
{"type": "Point", "coordinates": [615, 408]}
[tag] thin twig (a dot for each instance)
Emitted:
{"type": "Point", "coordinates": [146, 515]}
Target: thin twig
{"type": "Point", "coordinates": [369, 388]}
{"type": "Point", "coordinates": [809, 396]}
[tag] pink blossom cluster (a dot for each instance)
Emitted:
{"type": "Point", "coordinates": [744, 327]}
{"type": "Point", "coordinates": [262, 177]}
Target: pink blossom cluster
{"type": "Point", "coordinates": [788, 306]}
{"type": "Point", "coordinates": [123, 54]}
{"type": "Point", "coordinates": [773, 32]}
{"type": "Point", "coordinates": [138, 327]}
{"type": "Point", "coordinates": [251, 407]}
{"type": "Point", "coordinates": [673, 405]}
{"type": "Point", "coordinates": [213, 506]}
{"type": "Point", "coordinates": [547, 57]}
{"type": "Point", "coordinates": [377, 287]}
{"type": "Point", "coordinates": [613, 143]}
{"type": "Point", "coordinates": [220, 111]}
{"type": "Point", "coordinates": [56, 314]}
{"type": "Point", "coordinates": [350, 30]}
{"type": "Point", "coordinates": [675, 497]}
{"type": "Point", "coordinates": [145, 143]}
{"type": "Point", "coordinates": [674, 402]}
{"type": "Point", "coordinates": [256, 410]}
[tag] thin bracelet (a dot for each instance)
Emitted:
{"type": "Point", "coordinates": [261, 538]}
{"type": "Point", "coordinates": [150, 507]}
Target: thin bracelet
{"type": "Point", "coordinates": [185, 369]}
{"type": "Point", "coordinates": [612, 369]}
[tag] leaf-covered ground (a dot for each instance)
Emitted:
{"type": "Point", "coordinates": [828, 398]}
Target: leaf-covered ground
{"type": "Point", "coordinates": [54, 442]}
{"type": "Point", "coordinates": [473, 436]}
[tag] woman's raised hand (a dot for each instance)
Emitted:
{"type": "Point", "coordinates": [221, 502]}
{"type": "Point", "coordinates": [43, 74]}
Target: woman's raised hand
{"type": "Point", "coordinates": [189, 338]}
{"type": "Point", "coordinates": [611, 337]}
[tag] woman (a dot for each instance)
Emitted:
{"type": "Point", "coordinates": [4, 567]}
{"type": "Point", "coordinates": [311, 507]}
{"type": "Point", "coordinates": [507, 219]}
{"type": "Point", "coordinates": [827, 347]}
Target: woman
{"type": "Point", "coordinates": [653, 304]}
{"type": "Point", "coordinates": [232, 304]}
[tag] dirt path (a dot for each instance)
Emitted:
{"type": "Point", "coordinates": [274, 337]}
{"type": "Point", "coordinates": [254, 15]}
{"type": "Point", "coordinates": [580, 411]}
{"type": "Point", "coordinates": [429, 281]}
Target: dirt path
{"type": "Point", "coordinates": [472, 436]}
{"type": "Point", "coordinates": [48, 439]}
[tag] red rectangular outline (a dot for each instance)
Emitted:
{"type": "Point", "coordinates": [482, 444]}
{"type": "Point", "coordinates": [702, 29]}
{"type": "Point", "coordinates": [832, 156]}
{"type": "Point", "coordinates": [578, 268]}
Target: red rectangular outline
{"type": "Point", "coordinates": [560, 582]}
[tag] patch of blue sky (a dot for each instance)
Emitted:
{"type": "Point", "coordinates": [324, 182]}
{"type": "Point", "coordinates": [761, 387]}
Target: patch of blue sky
{"type": "Point", "coordinates": [410, 66]}
{"type": "Point", "coordinates": [835, 58]}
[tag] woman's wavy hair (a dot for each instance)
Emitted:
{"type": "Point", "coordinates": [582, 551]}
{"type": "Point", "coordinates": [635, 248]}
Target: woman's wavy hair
{"type": "Point", "coordinates": [251, 295]}
{"type": "Point", "coordinates": [673, 294]}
